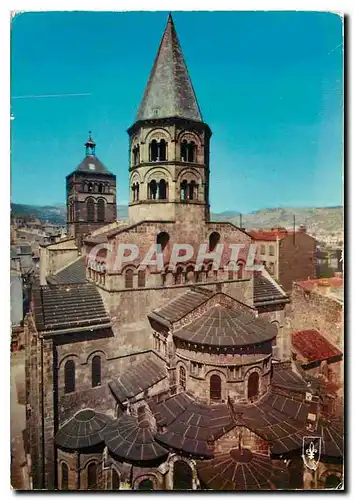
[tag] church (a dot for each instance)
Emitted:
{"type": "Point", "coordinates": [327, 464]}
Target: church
{"type": "Point", "coordinates": [179, 379]}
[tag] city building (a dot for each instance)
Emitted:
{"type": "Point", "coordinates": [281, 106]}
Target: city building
{"type": "Point", "coordinates": [288, 255]}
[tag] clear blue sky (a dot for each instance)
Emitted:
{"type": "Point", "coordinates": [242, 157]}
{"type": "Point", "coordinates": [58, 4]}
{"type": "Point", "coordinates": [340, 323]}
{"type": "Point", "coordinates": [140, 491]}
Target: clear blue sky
{"type": "Point", "coordinates": [269, 85]}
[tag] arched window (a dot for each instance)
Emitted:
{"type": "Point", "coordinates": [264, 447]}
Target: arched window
{"type": "Point", "coordinates": [192, 188]}
{"type": "Point", "coordinates": [90, 207]}
{"type": "Point", "coordinates": [240, 270]}
{"type": "Point", "coordinates": [100, 188]}
{"type": "Point", "coordinates": [101, 208]}
{"type": "Point", "coordinates": [182, 476]}
{"type": "Point", "coordinates": [190, 274]}
{"type": "Point", "coordinates": [271, 250]}
{"type": "Point", "coordinates": [214, 239]}
{"type": "Point", "coordinates": [64, 476]}
{"type": "Point", "coordinates": [162, 190]}
{"type": "Point", "coordinates": [230, 274]}
{"type": "Point", "coordinates": [253, 386]}
{"type": "Point", "coordinates": [163, 239]}
{"type": "Point", "coordinates": [137, 191]}
{"type": "Point", "coordinates": [69, 376]}
{"type": "Point", "coordinates": [184, 150]}
{"type": "Point", "coordinates": [92, 476]}
{"type": "Point", "coordinates": [184, 193]}
{"type": "Point", "coordinates": [90, 187]}
{"type": "Point", "coordinates": [115, 480]}
{"type": "Point", "coordinates": [215, 387]}
{"type": "Point", "coordinates": [136, 155]}
{"type": "Point", "coordinates": [262, 249]}
{"type": "Point", "coordinates": [96, 371]}
{"type": "Point", "coordinates": [182, 377]}
{"type": "Point", "coordinates": [152, 190]}
{"type": "Point", "coordinates": [141, 278]}
{"type": "Point", "coordinates": [153, 150]}
{"type": "Point", "coordinates": [146, 484]}
{"type": "Point", "coordinates": [191, 152]}
{"type": "Point", "coordinates": [162, 150]}
{"type": "Point", "coordinates": [129, 274]}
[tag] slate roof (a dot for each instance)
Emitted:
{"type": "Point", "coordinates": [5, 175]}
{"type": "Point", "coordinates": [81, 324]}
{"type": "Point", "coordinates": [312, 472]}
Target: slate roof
{"type": "Point", "coordinates": [75, 272]}
{"type": "Point", "coordinates": [287, 379]}
{"type": "Point", "coordinates": [83, 430]}
{"type": "Point", "coordinates": [169, 91]}
{"type": "Point", "coordinates": [131, 440]}
{"type": "Point", "coordinates": [92, 165]}
{"type": "Point", "coordinates": [68, 306]}
{"type": "Point", "coordinates": [312, 346]}
{"type": "Point", "coordinates": [241, 470]}
{"type": "Point", "coordinates": [137, 379]}
{"type": "Point", "coordinates": [182, 305]}
{"type": "Point", "coordinates": [265, 292]}
{"type": "Point", "coordinates": [188, 426]}
{"type": "Point", "coordinates": [332, 434]}
{"type": "Point", "coordinates": [220, 326]}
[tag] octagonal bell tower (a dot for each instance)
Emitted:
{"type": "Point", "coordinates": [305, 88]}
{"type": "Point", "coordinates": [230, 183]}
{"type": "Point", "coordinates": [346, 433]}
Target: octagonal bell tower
{"type": "Point", "coordinates": [169, 144]}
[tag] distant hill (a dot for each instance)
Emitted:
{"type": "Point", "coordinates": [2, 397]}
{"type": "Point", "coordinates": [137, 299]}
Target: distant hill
{"type": "Point", "coordinates": [316, 220]}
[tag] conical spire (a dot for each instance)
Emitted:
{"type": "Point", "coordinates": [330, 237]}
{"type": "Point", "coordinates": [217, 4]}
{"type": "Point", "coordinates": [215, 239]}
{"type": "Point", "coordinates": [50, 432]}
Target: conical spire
{"type": "Point", "coordinates": [169, 91]}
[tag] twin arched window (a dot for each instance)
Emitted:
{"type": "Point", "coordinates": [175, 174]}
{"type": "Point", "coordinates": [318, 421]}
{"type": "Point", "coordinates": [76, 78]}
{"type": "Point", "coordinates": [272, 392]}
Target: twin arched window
{"type": "Point", "coordinates": [189, 190]}
{"type": "Point", "coordinates": [135, 190]}
{"type": "Point", "coordinates": [157, 190]}
{"type": "Point", "coordinates": [158, 150]}
{"type": "Point", "coordinates": [188, 151]}
{"type": "Point", "coordinates": [69, 376]}
{"type": "Point", "coordinates": [141, 278]}
{"type": "Point", "coordinates": [129, 276]}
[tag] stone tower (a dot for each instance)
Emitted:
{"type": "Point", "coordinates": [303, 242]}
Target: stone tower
{"type": "Point", "coordinates": [90, 195]}
{"type": "Point", "coordinates": [169, 144]}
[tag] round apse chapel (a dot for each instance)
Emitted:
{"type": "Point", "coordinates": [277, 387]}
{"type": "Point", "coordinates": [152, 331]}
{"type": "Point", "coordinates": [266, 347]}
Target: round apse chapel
{"type": "Point", "coordinates": [224, 354]}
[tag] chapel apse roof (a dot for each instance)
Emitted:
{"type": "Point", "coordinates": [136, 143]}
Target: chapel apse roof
{"type": "Point", "coordinates": [82, 430]}
{"type": "Point", "coordinates": [241, 469]}
{"type": "Point", "coordinates": [169, 91]}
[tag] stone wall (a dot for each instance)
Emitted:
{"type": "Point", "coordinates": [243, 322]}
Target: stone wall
{"type": "Point", "coordinates": [297, 259]}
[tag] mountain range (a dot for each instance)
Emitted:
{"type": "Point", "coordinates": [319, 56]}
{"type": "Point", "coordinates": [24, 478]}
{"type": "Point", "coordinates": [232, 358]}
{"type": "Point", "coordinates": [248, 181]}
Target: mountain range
{"type": "Point", "coordinates": [316, 219]}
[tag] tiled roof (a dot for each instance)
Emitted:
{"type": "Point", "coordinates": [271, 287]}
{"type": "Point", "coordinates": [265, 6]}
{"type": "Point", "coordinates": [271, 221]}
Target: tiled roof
{"type": "Point", "coordinates": [220, 326]}
{"type": "Point", "coordinates": [169, 91]}
{"type": "Point", "coordinates": [332, 434]}
{"type": "Point", "coordinates": [240, 469]}
{"type": "Point", "coordinates": [312, 346]}
{"type": "Point", "coordinates": [271, 235]}
{"type": "Point", "coordinates": [92, 165]}
{"type": "Point", "coordinates": [285, 378]}
{"type": "Point", "coordinates": [325, 282]}
{"type": "Point", "coordinates": [131, 440]}
{"type": "Point", "coordinates": [75, 272]}
{"type": "Point", "coordinates": [83, 430]}
{"type": "Point", "coordinates": [191, 425]}
{"type": "Point", "coordinates": [137, 379]}
{"type": "Point", "coordinates": [179, 307]}
{"type": "Point", "coordinates": [68, 306]}
{"type": "Point", "coordinates": [265, 292]}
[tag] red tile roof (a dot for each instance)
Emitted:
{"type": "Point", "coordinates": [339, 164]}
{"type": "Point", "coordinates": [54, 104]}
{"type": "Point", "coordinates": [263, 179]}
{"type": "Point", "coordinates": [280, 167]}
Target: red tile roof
{"type": "Point", "coordinates": [310, 284]}
{"type": "Point", "coordinates": [312, 346]}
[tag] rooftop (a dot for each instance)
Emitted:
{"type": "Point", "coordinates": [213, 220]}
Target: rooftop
{"type": "Point", "coordinates": [75, 272]}
{"type": "Point", "coordinates": [312, 346]}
